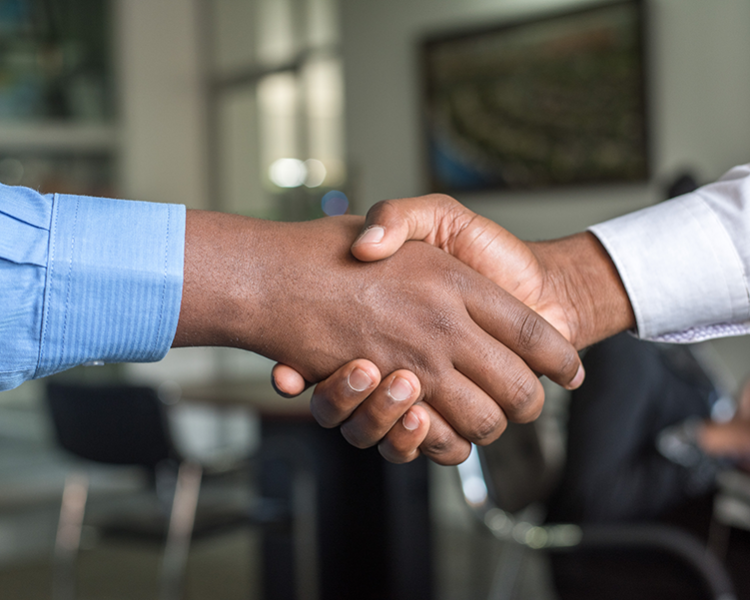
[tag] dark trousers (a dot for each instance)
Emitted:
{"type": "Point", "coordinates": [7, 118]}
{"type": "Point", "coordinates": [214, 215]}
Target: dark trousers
{"type": "Point", "coordinates": [614, 472]}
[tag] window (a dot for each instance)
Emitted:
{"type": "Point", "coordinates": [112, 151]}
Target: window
{"type": "Point", "coordinates": [57, 112]}
{"type": "Point", "coordinates": [275, 108]}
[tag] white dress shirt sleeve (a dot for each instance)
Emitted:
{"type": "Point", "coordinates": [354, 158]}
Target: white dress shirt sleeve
{"type": "Point", "coordinates": [685, 262]}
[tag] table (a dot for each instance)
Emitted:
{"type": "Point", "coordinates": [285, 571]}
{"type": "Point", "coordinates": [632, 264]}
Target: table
{"type": "Point", "coordinates": [371, 517]}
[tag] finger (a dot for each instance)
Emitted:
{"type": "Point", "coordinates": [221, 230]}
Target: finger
{"type": "Point", "coordinates": [390, 223]}
{"type": "Point", "coordinates": [525, 333]}
{"type": "Point", "coordinates": [472, 413]}
{"type": "Point", "coordinates": [442, 444]}
{"type": "Point", "coordinates": [509, 382]}
{"type": "Point", "coordinates": [287, 382]}
{"type": "Point", "coordinates": [335, 398]}
{"type": "Point", "coordinates": [725, 439]}
{"type": "Point", "coordinates": [372, 419]}
{"type": "Point", "coordinates": [445, 223]}
{"type": "Point", "coordinates": [499, 375]}
{"type": "Point", "coordinates": [401, 443]}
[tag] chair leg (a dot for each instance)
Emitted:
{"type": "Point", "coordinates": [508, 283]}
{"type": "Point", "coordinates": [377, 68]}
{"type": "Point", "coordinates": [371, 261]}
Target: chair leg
{"type": "Point", "coordinates": [68, 539]}
{"type": "Point", "coordinates": [304, 512]}
{"type": "Point", "coordinates": [305, 533]}
{"type": "Point", "coordinates": [505, 579]}
{"type": "Point", "coordinates": [180, 531]}
{"type": "Point", "coordinates": [718, 538]}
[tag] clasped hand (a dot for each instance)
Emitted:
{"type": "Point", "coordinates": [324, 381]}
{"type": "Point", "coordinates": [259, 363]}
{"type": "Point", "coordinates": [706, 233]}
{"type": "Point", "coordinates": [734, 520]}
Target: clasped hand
{"type": "Point", "coordinates": [411, 411]}
{"type": "Point", "coordinates": [450, 339]}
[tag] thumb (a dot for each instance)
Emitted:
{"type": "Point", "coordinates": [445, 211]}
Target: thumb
{"type": "Point", "coordinates": [390, 223]}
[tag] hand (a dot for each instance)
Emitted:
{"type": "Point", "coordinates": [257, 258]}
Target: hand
{"type": "Point", "coordinates": [732, 438]}
{"type": "Point", "coordinates": [571, 282]}
{"type": "Point", "coordinates": [293, 292]}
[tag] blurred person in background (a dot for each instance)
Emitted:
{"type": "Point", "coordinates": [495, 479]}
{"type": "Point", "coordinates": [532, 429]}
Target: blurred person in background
{"type": "Point", "coordinates": [643, 446]}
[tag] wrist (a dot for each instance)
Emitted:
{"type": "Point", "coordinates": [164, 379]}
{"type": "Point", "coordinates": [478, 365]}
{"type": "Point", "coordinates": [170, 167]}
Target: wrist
{"type": "Point", "coordinates": [264, 286]}
{"type": "Point", "coordinates": [580, 274]}
{"type": "Point", "coordinates": [222, 276]}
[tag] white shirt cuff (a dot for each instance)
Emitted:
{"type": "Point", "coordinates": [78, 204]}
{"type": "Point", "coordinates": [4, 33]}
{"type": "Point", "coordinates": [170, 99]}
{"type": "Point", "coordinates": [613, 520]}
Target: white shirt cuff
{"type": "Point", "coordinates": [681, 270]}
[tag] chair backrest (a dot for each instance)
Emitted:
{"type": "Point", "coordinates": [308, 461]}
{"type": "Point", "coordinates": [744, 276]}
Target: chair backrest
{"type": "Point", "coordinates": [515, 468]}
{"type": "Point", "coordinates": [516, 471]}
{"type": "Point", "coordinates": [113, 424]}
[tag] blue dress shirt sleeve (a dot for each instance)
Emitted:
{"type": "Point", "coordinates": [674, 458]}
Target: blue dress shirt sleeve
{"type": "Point", "coordinates": [685, 262]}
{"type": "Point", "coordinates": [85, 279]}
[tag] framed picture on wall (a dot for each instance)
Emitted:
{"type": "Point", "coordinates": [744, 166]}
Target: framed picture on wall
{"type": "Point", "coordinates": [551, 101]}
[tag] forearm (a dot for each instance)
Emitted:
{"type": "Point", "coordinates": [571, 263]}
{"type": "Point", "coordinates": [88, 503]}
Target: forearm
{"type": "Point", "coordinates": [585, 281]}
{"type": "Point", "coordinates": [221, 265]}
{"type": "Point", "coordinates": [244, 279]}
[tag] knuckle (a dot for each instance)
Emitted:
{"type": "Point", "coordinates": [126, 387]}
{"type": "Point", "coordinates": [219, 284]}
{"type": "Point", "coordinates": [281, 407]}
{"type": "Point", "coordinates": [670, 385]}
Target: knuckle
{"type": "Point", "coordinates": [457, 282]}
{"type": "Point", "coordinates": [396, 455]}
{"type": "Point", "coordinates": [533, 411]}
{"type": "Point", "coordinates": [380, 210]}
{"type": "Point", "coordinates": [439, 444]}
{"type": "Point", "coordinates": [490, 428]}
{"type": "Point", "coordinates": [526, 399]}
{"type": "Point", "coordinates": [531, 332]}
{"type": "Point", "coordinates": [323, 412]}
{"type": "Point", "coordinates": [443, 322]}
{"type": "Point", "coordinates": [454, 278]}
{"type": "Point", "coordinates": [355, 436]}
{"type": "Point", "coordinates": [456, 457]}
{"type": "Point", "coordinates": [448, 205]}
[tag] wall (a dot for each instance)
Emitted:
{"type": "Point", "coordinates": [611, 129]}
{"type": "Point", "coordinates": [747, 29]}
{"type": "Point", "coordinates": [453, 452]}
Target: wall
{"type": "Point", "coordinates": [700, 94]}
{"type": "Point", "coordinates": [699, 84]}
{"type": "Point", "coordinates": [160, 62]}
{"type": "Point", "coordinates": [161, 105]}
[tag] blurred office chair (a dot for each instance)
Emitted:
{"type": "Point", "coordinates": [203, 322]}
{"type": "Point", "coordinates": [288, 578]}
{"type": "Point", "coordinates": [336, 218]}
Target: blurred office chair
{"type": "Point", "coordinates": [731, 505]}
{"type": "Point", "coordinates": [127, 425]}
{"type": "Point", "coordinates": [729, 534]}
{"type": "Point", "coordinates": [505, 485]}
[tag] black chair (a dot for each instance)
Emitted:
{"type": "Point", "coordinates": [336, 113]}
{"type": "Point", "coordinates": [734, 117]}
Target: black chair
{"type": "Point", "coordinates": [610, 508]}
{"type": "Point", "coordinates": [511, 510]}
{"type": "Point", "coordinates": [127, 425]}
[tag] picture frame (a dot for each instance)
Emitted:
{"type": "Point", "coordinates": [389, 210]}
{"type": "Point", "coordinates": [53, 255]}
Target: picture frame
{"type": "Point", "coordinates": [554, 100]}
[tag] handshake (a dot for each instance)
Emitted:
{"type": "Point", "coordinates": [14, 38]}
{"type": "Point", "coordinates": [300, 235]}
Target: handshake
{"type": "Point", "coordinates": [425, 325]}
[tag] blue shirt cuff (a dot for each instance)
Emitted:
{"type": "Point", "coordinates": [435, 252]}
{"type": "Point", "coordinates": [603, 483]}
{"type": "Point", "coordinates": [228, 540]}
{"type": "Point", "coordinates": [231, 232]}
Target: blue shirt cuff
{"type": "Point", "coordinates": [114, 282]}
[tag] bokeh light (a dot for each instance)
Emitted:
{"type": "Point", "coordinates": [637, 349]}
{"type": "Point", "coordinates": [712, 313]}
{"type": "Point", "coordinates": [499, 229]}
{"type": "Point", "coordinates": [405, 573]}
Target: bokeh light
{"type": "Point", "coordinates": [316, 173]}
{"type": "Point", "coordinates": [288, 172]}
{"type": "Point", "coordinates": [334, 203]}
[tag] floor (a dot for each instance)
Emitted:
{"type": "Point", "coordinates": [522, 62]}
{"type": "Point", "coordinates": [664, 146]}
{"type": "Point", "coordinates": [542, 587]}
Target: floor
{"type": "Point", "coordinates": [467, 557]}
{"type": "Point", "coordinates": [225, 569]}
{"type": "Point", "coordinates": [32, 473]}
{"type": "Point", "coordinates": [220, 569]}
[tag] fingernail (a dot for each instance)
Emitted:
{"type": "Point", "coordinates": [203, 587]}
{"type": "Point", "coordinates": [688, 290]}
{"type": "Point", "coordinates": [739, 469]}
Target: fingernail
{"type": "Point", "coordinates": [371, 235]}
{"type": "Point", "coordinates": [278, 391]}
{"type": "Point", "coordinates": [359, 381]}
{"type": "Point", "coordinates": [578, 379]}
{"type": "Point", "coordinates": [400, 389]}
{"type": "Point", "coordinates": [411, 421]}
